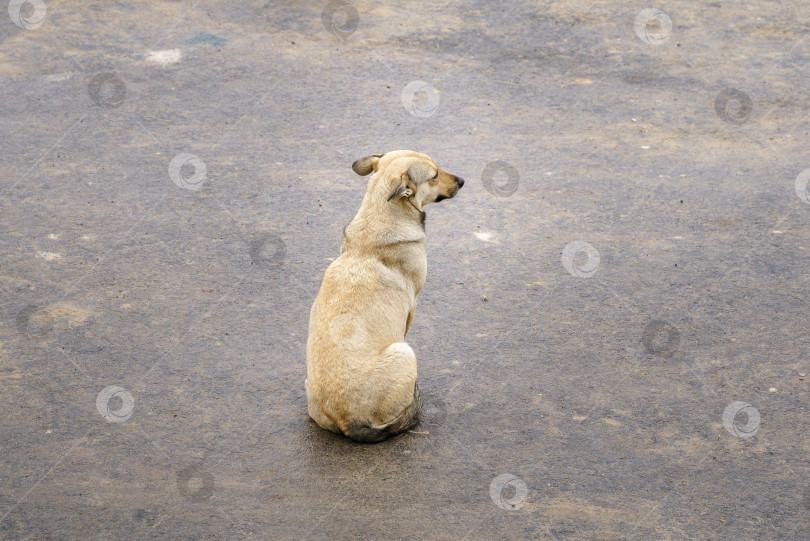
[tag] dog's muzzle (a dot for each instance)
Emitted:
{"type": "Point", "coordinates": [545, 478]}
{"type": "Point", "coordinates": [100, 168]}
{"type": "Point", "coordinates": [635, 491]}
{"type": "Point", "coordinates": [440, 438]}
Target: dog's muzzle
{"type": "Point", "coordinates": [442, 197]}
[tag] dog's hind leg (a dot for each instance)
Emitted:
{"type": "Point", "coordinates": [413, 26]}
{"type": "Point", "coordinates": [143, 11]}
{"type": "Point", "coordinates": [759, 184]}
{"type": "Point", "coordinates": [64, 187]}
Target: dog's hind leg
{"type": "Point", "coordinates": [397, 407]}
{"type": "Point", "coordinates": [315, 412]}
{"type": "Point", "coordinates": [376, 433]}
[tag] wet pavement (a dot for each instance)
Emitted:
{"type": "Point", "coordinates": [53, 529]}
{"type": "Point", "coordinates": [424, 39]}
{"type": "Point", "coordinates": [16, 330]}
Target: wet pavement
{"type": "Point", "coordinates": [612, 340]}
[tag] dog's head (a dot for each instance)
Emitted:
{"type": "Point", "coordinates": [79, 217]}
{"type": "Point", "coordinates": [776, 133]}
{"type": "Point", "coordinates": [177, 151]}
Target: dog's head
{"type": "Point", "coordinates": [407, 175]}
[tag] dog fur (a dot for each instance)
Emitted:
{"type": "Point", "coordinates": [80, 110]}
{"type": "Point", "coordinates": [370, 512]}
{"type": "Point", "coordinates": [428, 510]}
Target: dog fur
{"type": "Point", "coordinates": [361, 373]}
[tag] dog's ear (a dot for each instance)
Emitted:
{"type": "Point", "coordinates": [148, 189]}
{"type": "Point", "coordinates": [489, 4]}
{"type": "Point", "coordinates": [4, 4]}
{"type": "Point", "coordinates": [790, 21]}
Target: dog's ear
{"type": "Point", "coordinates": [366, 165]}
{"type": "Point", "coordinates": [419, 171]}
{"type": "Point", "coordinates": [401, 188]}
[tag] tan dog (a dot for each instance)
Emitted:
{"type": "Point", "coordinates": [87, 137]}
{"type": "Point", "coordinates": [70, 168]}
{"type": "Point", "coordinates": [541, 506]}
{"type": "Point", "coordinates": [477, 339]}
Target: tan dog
{"type": "Point", "coordinates": [361, 374]}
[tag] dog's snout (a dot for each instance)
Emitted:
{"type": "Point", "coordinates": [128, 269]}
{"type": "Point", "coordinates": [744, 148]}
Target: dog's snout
{"type": "Point", "coordinates": [460, 181]}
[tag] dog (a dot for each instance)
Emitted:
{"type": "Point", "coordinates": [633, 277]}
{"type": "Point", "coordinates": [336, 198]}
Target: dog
{"type": "Point", "coordinates": [361, 373]}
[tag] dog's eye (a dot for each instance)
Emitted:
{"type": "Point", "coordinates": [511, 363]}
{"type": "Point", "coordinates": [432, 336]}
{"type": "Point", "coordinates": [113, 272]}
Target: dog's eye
{"type": "Point", "coordinates": [435, 176]}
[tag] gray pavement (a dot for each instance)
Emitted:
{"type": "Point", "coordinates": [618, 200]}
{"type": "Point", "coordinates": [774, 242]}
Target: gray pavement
{"type": "Point", "coordinates": [612, 340]}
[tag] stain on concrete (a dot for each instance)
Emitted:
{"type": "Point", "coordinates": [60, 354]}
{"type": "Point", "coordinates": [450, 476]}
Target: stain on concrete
{"type": "Point", "coordinates": [207, 38]}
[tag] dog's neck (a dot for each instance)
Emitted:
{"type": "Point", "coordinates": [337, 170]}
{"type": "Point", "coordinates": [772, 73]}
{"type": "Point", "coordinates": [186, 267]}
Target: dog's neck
{"type": "Point", "coordinates": [384, 223]}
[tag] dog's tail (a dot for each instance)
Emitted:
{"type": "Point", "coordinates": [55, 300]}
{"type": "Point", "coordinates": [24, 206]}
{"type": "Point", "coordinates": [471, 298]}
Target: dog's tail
{"type": "Point", "coordinates": [376, 433]}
